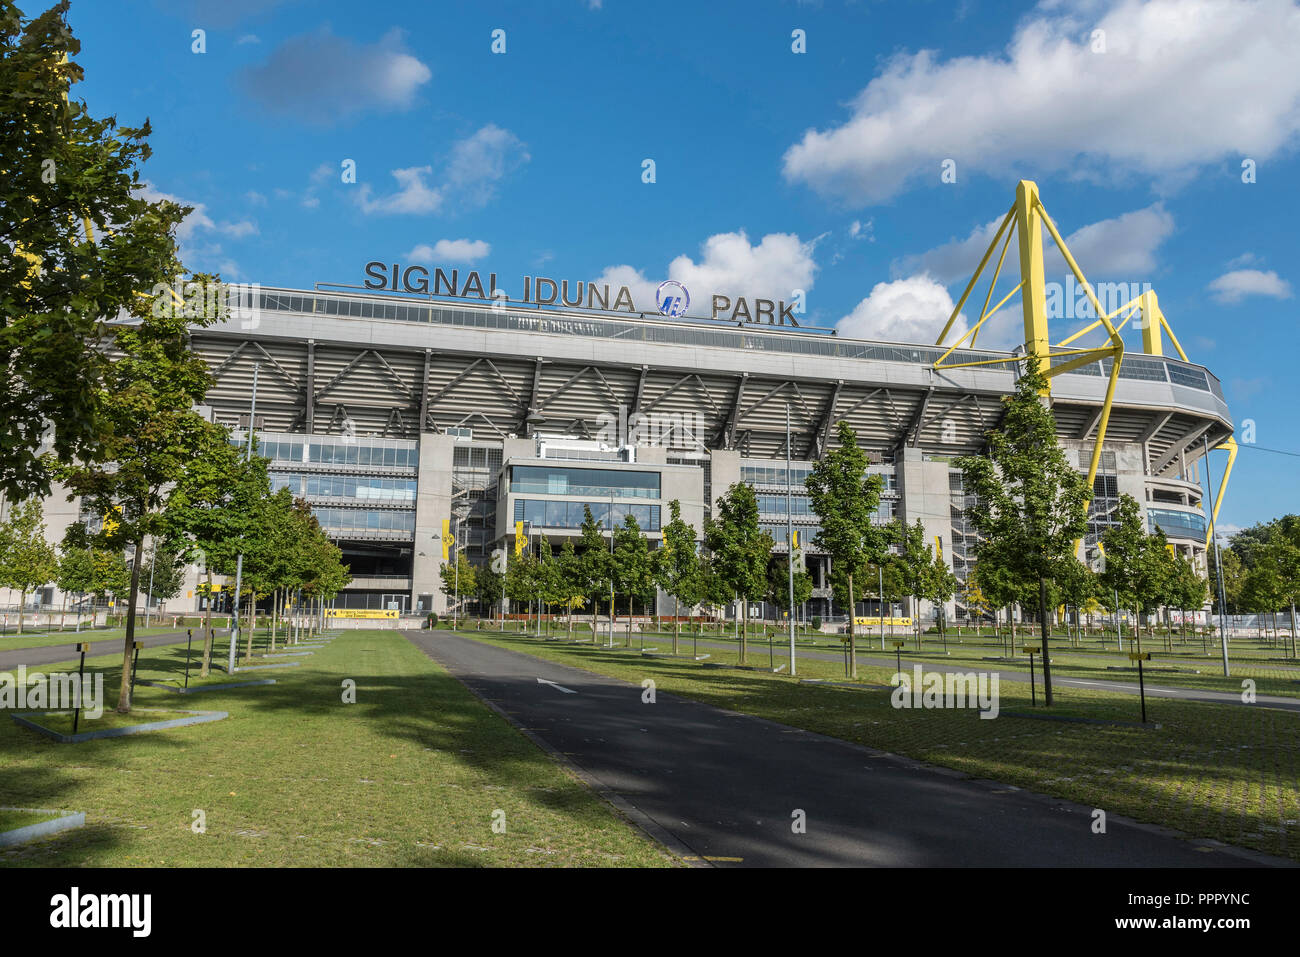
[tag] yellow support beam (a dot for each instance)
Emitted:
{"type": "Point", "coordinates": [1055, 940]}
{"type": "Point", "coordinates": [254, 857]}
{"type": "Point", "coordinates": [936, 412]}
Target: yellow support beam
{"type": "Point", "coordinates": [1033, 293]}
{"type": "Point", "coordinates": [1152, 321]}
{"type": "Point", "coordinates": [1230, 443]}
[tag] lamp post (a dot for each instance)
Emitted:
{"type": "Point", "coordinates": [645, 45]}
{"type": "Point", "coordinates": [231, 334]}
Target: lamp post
{"type": "Point", "coordinates": [1218, 562]}
{"type": "Point", "coordinates": [239, 564]}
{"type": "Point", "coordinates": [789, 535]}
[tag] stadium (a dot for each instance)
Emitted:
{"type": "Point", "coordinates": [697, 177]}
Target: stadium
{"type": "Point", "coordinates": [391, 412]}
{"type": "Point", "coordinates": [397, 404]}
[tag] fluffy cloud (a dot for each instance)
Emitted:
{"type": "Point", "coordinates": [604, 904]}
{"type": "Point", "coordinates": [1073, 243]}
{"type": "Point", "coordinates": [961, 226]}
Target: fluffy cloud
{"type": "Point", "coordinates": [729, 265]}
{"type": "Point", "coordinates": [451, 251]}
{"type": "Point", "coordinates": [198, 221]}
{"type": "Point", "coordinates": [1122, 247]}
{"type": "Point", "coordinates": [321, 78]}
{"type": "Point", "coordinates": [1180, 84]}
{"type": "Point", "coordinates": [905, 310]}
{"type": "Point", "coordinates": [1232, 287]}
{"type": "Point", "coordinates": [474, 168]}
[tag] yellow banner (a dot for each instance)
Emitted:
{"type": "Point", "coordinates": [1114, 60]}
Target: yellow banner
{"type": "Point", "coordinates": [875, 622]}
{"type": "Point", "coordinates": [360, 613]}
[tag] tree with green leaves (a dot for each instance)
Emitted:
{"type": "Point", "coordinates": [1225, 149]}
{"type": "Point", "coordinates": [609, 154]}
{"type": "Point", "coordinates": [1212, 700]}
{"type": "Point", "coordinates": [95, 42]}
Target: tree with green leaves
{"type": "Point", "coordinates": [938, 587]}
{"type": "Point", "coordinates": [844, 497]}
{"type": "Point", "coordinates": [1188, 590]}
{"type": "Point", "coordinates": [596, 568]}
{"type": "Point", "coordinates": [1077, 585]}
{"type": "Point", "coordinates": [740, 551]}
{"type": "Point", "coordinates": [1137, 562]}
{"type": "Point", "coordinates": [211, 511]}
{"type": "Point", "coordinates": [778, 584]}
{"type": "Point", "coordinates": [84, 244]}
{"type": "Point", "coordinates": [679, 567]}
{"type": "Point", "coordinates": [163, 573]}
{"type": "Point", "coordinates": [27, 560]}
{"type": "Point", "coordinates": [633, 570]}
{"type": "Point", "coordinates": [487, 587]}
{"type": "Point", "coordinates": [457, 577]}
{"type": "Point", "coordinates": [572, 583]}
{"type": "Point", "coordinates": [76, 577]}
{"type": "Point", "coordinates": [913, 559]}
{"type": "Point", "coordinates": [1030, 505]}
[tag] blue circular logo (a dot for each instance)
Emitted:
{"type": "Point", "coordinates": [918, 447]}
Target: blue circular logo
{"type": "Point", "coordinates": [672, 298]}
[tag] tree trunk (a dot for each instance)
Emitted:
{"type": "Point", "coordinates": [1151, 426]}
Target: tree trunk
{"type": "Point", "coordinates": [63, 612]}
{"type": "Point", "coordinates": [1047, 658]}
{"type": "Point", "coordinates": [677, 628]}
{"type": "Point", "coordinates": [207, 631]}
{"type": "Point", "coordinates": [124, 695]}
{"type": "Point", "coordinates": [22, 603]}
{"type": "Point", "coordinates": [252, 622]}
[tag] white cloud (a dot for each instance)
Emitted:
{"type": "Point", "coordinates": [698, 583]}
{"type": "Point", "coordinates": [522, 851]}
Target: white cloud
{"type": "Point", "coordinates": [321, 78]}
{"type": "Point", "coordinates": [248, 38]}
{"type": "Point", "coordinates": [731, 266]}
{"type": "Point", "coordinates": [1122, 247]}
{"type": "Point", "coordinates": [1232, 287]}
{"type": "Point", "coordinates": [413, 196]}
{"type": "Point", "coordinates": [1182, 83]}
{"type": "Point", "coordinates": [451, 251]}
{"type": "Point", "coordinates": [910, 310]}
{"type": "Point", "coordinates": [860, 230]}
{"type": "Point", "coordinates": [198, 219]}
{"type": "Point", "coordinates": [255, 198]}
{"type": "Point", "coordinates": [474, 168]}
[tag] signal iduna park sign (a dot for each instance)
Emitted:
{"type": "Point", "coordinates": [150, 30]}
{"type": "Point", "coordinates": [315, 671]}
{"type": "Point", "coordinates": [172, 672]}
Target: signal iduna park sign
{"type": "Point", "coordinates": [671, 298]}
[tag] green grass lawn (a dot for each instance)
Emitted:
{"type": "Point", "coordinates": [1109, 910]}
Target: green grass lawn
{"type": "Point", "coordinates": [1221, 771]}
{"type": "Point", "coordinates": [43, 639]}
{"type": "Point", "coordinates": [411, 774]}
{"type": "Point", "coordinates": [1272, 676]}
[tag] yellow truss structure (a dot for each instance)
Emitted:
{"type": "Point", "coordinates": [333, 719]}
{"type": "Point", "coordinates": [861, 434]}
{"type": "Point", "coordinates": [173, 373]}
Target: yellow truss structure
{"type": "Point", "coordinates": [1030, 218]}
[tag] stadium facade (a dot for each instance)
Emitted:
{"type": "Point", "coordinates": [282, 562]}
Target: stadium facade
{"type": "Point", "coordinates": [420, 403]}
{"type": "Point", "coordinates": [391, 413]}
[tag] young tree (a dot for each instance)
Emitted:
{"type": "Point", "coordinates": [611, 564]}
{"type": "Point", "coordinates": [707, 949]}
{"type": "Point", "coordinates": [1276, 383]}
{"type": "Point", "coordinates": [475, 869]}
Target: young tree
{"type": "Point", "coordinates": [163, 573]}
{"type": "Point", "coordinates": [487, 587]}
{"type": "Point", "coordinates": [76, 575]}
{"type": "Point", "coordinates": [914, 565]}
{"type": "Point", "coordinates": [1138, 564]}
{"type": "Point", "coordinates": [572, 583]}
{"type": "Point", "coordinates": [632, 568]}
{"type": "Point", "coordinates": [740, 550]}
{"type": "Point", "coordinates": [938, 586]}
{"type": "Point", "coordinates": [679, 571]}
{"type": "Point", "coordinates": [778, 584]}
{"type": "Point", "coordinates": [458, 577]}
{"type": "Point", "coordinates": [596, 569]}
{"type": "Point", "coordinates": [211, 510]}
{"type": "Point", "coordinates": [1030, 504]}
{"type": "Point", "coordinates": [27, 560]}
{"type": "Point", "coordinates": [844, 497]}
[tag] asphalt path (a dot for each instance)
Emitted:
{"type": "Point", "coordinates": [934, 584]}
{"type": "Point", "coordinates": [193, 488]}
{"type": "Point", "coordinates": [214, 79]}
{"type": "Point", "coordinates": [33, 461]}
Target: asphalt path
{"type": "Point", "coordinates": [758, 655]}
{"type": "Point", "coordinates": [53, 654]}
{"type": "Point", "coordinates": [723, 788]}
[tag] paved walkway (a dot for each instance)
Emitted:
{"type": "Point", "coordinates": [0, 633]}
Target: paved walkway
{"type": "Point", "coordinates": [721, 787]}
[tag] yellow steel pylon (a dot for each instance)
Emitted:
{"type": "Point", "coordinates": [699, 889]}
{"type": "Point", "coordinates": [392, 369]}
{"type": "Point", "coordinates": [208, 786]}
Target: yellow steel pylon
{"type": "Point", "coordinates": [1030, 218]}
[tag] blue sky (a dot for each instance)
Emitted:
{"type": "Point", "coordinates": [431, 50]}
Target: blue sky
{"type": "Point", "coordinates": [775, 170]}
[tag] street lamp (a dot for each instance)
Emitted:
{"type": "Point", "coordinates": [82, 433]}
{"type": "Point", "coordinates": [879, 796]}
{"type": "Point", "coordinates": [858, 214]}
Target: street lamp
{"type": "Point", "coordinates": [1218, 561]}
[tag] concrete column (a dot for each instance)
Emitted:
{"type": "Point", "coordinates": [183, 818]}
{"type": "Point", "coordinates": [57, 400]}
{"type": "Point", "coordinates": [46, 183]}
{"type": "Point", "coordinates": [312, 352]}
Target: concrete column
{"type": "Point", "coordinates": [432, 505]}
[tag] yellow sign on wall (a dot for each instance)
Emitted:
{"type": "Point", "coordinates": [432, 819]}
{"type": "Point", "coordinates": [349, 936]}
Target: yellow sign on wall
{"type": "Point", "coordinates": [875, 622]}
{"type": "Point", "coordinates": [360, 613]}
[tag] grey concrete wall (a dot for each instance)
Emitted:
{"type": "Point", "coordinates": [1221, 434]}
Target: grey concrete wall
{"type": "Point", "coordinates": [432, 505]}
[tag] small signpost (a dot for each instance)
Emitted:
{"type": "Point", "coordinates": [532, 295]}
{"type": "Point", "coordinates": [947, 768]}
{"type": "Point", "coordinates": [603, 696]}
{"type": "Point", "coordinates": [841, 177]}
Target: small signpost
{"type": "Point", "coordinates": [1139, 657]}
{"type": "Point", "coordinates": [135, 664]}
{"type": "Point", "coordinates": [83, 647]}
{"type": "Point", "coordinates": [1033, 690]}
{"type": "Point", "coordinates": [898, 654]}
{"type": "Point", "coordinates": [189, 643]}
